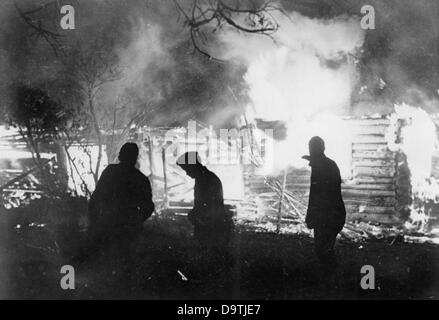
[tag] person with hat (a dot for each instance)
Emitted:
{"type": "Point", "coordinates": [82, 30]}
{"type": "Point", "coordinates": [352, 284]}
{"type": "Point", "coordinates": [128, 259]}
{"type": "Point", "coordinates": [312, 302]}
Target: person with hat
{"type": "Point", "coordinates": [212, 224]}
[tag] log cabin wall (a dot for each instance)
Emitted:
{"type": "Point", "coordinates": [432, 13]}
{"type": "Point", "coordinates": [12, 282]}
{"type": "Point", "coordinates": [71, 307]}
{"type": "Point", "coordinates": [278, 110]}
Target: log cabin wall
{"type": "Point", "coordinates": [377, 190]}
{"type": "Point", "coordinates": [371, 193]}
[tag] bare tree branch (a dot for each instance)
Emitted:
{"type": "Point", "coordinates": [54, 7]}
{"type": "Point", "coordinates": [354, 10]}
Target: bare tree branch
{"type": "Point", "coordinates": [36, 25]}
{"type": "Point", "coordinates": [211, 15]}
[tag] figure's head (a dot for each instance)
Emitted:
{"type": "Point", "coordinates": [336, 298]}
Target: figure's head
{"type": "Point", "coordinates": [316, 146]}
{"type": "Point", "coordinates": [128, 153]}
{"type": "Point", "coordinates": [190, 163]}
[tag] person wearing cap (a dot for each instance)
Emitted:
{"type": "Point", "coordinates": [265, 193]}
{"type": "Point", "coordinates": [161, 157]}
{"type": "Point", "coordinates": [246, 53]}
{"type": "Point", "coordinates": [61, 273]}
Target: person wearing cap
{"type": "Point", "coordinates": [212, 225]}
{"type": "Point", "coordinates": [326, 212]}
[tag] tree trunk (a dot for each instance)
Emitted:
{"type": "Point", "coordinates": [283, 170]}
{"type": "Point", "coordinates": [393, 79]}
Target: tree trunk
{"type": "Point", "coordinates": [98, 136]}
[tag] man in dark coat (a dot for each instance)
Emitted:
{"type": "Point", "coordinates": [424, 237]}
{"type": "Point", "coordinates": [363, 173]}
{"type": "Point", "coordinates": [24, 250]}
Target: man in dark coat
{"type": "Point", "coordinates": [121, 202]}
{"type": "Point", "coordinates": [212, 224]}
{"type": "Point", "coordinates": [326, 211]}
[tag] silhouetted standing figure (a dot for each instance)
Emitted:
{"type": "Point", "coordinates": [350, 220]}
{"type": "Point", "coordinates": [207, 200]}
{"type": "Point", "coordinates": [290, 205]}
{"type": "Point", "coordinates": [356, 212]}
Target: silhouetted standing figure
{"type": "Point", "coordinates": [121, 202]}
{"type": "Point", "coordinates": [326, 211]}
{"type": "Point", "coordinates": [212, 225]}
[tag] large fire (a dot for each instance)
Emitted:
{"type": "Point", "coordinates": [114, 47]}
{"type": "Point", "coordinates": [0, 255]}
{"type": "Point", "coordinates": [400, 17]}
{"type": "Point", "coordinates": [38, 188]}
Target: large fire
{"type": "Point", "coordinates": [305, 78]}
{"type": "Point", "coordinates": [418, 143]}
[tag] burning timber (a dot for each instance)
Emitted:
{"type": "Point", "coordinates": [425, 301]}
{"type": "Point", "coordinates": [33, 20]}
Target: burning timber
{"type": "Point", "coordinates": [377, 183]}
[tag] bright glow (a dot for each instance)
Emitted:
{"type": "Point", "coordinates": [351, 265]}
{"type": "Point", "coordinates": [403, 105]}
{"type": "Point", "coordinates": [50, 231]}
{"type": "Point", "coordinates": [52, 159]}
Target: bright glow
{"type": "Point", "coordinates": [304, 78]}
{"type": "Point", "coordinates": [418, 142]}
{"type": "Point", "coordinates": [337, 133]}
{"type": "Point", "coordinates": [85, 159]}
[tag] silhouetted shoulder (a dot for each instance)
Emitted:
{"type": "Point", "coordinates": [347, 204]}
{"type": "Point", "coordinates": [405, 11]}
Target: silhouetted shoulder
{"type": "Point", "coordinates": [110, 168]}
{"type": "Point", "coordinates": [107, 175]}
{"type": "Point", "coordinates": [141, 179]}
{"type": "Point", "coordinates": [139, 175]}
{"type": "Point", "coordinates": [331, 164]}
{"type": "Point", "coordinates": [213, 178]}
{"type": "Point", "coordinates": [333, 170]}
{"type": "Point", "coordinates": [212, 175]}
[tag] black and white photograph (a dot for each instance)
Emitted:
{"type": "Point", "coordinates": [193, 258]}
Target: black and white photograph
{"type": "Point", "coordinates": [231, 151]}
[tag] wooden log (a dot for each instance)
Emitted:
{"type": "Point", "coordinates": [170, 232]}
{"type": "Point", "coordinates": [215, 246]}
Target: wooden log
{"type": "Point", "coordinates": [369, 122]}
{"type": "Point", "coordinates": [298, 172]}
{"type": "Point", "coordinates": [374, 180]}
{"type": "Point", "coordinates": [373, 154]}
{"type": "Point", "coordinates": [374, 162]}
{"type": "Point", "coordinates": [165, 177]}
{"type": "Point", "coordinates": [377, 129]}
{"type": "Point", "coordinates": [362, 189]}
{"type": "Point", "coordinates": [291, 186]}
{"type": "Point", "coordinates": [377, 201]}
{"type": "Point", "coordinates": [391, 219]}
{"type": "Point", "coordinates": [23, 190]}
{"type": "Point", "coordinates": [374, 171]}
{"type": "Point", "coordinates": [370, 146]}
{"type": "Point", "coordinates": [348, 198]}
{"type": "Point", "coordinates": [362, 208]}
{"type": "Point", "coordinates": [351, 204]}
{"type": "Point", "coordinates": [173, 210]}
{"type": "Point", "coordinates": [348, 189]}
{"type": "Point", "coordinates": [367, 193]}
{"type": "Point", "coordinates": [298, 180]}
{"type": "Point", "coordinates": [284, 182]}
{"type": "Point", "coordinates": [369, 139]}
{"type": "Point", "coordinates": [367, 187]}
{"type": "Point", "coordinates": [259, 190]}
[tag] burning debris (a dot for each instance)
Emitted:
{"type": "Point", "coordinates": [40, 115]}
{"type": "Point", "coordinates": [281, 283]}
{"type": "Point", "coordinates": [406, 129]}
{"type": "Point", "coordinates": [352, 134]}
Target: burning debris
{"type": "Point", "coordinates": [294, 211]}
{"type": "Point", "coordinates": [419, 142]}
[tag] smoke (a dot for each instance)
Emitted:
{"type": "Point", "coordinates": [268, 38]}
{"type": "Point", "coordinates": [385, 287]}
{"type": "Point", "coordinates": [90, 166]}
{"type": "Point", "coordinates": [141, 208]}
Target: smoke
{"type": "Point", "coordinates": [314, 65]}
{"type": "Point", "coordinates": [308, 69]}
{"type": "Point", "coordinates": [304, 76]}
{"type": "Point", "coordinates": [399, 61]}
{"type": "Point", "coordinates": [160, 71]}
{"type": "Point", "coordinates": [304, 71]}
{"type": "Point", "coordinates": [140, 60]}
{"type": "Point", "coordinates": [146, 48]}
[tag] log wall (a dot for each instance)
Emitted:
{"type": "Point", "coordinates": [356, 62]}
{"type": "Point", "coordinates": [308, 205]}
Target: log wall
{"type": "Point", "coordinates": [370, 193]}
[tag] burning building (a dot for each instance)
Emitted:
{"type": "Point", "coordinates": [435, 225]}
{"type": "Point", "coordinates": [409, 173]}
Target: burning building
{"type": "Point", "coordinates": [305, 79]}
{"type": "Point", "coordinates": [387, 164]}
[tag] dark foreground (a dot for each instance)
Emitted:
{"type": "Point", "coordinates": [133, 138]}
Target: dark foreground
{"type": "Point", "coordinates": [168, 265]}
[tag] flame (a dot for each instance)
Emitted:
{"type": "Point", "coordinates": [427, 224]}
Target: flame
{"type": "Point", "coordinates": [418, 143]}
{"type": "Point", "coordinates": [304, 78]}
{"type": "Point", "coordinates": [85, 161]}
{"type": "Point", "coordinates": [338, 135]}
